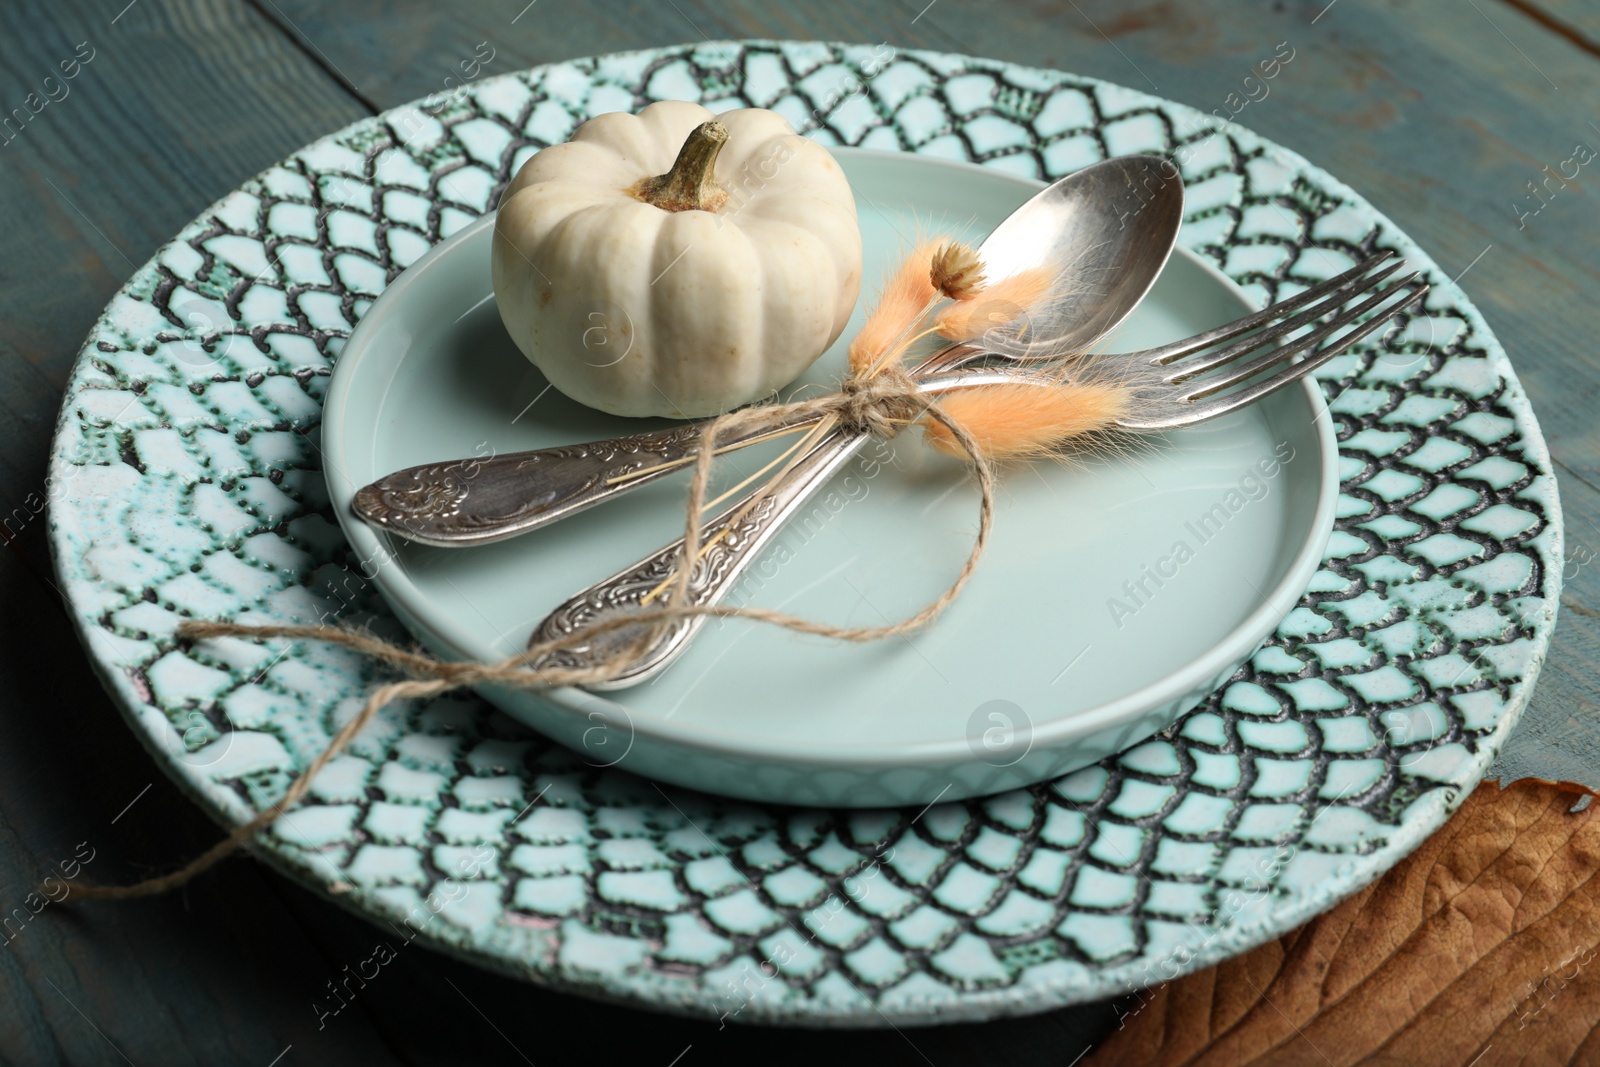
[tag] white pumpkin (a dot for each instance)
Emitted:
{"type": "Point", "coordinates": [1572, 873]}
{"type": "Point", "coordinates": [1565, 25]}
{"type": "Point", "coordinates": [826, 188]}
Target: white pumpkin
{"type": "Point", "coordinates": [674, 262]}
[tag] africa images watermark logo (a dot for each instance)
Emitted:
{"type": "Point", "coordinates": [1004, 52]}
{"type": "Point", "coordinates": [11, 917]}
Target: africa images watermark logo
{"type": "Point", "coordinates": [999, 733]}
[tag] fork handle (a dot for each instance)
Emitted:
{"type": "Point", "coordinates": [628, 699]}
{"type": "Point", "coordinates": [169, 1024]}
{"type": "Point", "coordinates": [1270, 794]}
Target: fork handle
{"type": "Point", "coordinates": [465, 502]}
{"type": "Point", "coordinates": [718, 569]}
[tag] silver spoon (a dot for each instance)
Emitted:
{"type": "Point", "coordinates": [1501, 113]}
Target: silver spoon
{"type": "Point", "coordinates": [1110, 227]}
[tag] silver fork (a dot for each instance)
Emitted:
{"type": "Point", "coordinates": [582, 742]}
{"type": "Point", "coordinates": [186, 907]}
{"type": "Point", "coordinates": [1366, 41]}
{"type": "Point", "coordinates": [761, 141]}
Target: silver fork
{"type": "Point", "coordinates": [1189, 383]}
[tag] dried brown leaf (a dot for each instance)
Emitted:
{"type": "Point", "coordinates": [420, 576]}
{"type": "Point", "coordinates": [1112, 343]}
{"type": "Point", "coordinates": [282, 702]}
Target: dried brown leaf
{"type": "Point", "coordinates": [1474, 949]}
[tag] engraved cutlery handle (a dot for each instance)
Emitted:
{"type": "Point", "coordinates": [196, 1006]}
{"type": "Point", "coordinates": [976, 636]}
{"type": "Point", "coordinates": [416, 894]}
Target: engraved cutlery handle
{"type": "Point", "coordinates": [720, 566]}
{"type": "Point", "coordinates": [713, 575]}
{"type": "Point", "coordinates": [476, 501]}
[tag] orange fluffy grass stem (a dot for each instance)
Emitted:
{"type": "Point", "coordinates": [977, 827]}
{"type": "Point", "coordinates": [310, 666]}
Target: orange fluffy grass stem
{"type": "Point", "coordinates": [1000, 303]}
{"type": "Point", "coordinates": [1017, 422]}
{"type": "Point", "coordinates": [905, 299]}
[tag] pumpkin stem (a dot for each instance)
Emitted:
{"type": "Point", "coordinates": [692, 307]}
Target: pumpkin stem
{"type": "Point", "coordinates": [689, 186]}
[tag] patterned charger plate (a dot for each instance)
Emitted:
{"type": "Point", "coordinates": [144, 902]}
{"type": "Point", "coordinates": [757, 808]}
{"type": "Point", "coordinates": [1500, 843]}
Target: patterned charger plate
{"type": "Point", "coordinates": [186, 483]}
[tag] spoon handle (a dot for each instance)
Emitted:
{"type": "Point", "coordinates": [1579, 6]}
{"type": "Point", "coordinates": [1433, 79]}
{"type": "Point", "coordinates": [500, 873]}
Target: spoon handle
{"type": "Point", "coordinates": [474, 501]}
{"type": "Point", "coordinates": [728, 553]}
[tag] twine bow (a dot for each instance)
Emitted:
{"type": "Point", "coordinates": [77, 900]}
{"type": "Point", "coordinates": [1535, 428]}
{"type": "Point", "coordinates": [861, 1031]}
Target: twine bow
{"type": "Point", "coordinates": [883, 404]}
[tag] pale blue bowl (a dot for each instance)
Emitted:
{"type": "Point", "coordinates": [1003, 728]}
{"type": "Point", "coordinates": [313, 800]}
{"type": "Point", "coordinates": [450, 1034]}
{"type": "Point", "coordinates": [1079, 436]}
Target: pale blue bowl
{"type": "Point", "coordinates": [1116, 594]}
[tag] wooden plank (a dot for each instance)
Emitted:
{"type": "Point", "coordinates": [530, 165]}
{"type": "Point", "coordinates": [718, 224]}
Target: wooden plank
{"type": "Point", "coordinates": [1430, 115]}
{"type": "Point", "coordinates": [176, 105]}
{"type": "Point", "coordinates": [1578, 21]}
{"type": "Point", "coordinates": [220, 973]}
{"type": "Point", "coordinates": [393, 61]}
{"type": "Point", "coordinates": [168, 107]}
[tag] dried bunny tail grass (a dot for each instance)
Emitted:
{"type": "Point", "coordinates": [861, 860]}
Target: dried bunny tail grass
{"type": "Point", "coordinates": [1076, 415]}
{"type": "Point", "coordinates": [1016, 422]}
{"type": "Point", "coordinates": [956, 271]}
{"type": "Point", "coordinates": [1001, 304]}
{"type": "Point", "coordinates": [905, 299]}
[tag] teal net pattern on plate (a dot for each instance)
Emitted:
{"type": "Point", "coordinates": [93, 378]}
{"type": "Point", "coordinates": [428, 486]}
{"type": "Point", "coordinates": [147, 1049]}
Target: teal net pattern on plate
{"type": "Point", "coordinates": [186, 483]}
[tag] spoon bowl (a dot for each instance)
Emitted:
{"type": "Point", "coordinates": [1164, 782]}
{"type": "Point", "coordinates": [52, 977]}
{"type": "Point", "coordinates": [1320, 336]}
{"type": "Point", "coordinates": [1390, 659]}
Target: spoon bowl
{"type": "Point", "coordinates": [1108, 230]}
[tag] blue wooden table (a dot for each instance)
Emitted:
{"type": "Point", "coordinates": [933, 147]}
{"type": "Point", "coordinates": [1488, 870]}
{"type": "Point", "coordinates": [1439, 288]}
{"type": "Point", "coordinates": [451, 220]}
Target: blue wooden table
{"type": "Point", "coordinates": [1474, 125]}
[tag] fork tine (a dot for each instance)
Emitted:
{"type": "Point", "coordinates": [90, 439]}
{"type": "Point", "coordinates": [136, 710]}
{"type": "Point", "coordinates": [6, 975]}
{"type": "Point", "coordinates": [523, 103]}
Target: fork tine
{"type": "Point", "coordinates": [1198, 365]}
{"type": "Point", "coordinates": [1234, 375]}
{"type": "Point", "coordinates": [1222, 405]}
{"type": "Point", "coordinates": [1178, 349]}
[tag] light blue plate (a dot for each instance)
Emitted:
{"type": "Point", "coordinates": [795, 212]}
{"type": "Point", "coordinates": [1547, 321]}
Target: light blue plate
{"type": "Point", "coordinates": [1115, 595]}
{"type": "Point", "coordinates": [186, 481]}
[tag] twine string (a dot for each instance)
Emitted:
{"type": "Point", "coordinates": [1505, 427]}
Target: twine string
{"type": "Point", "coordinates": [882, 403]}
